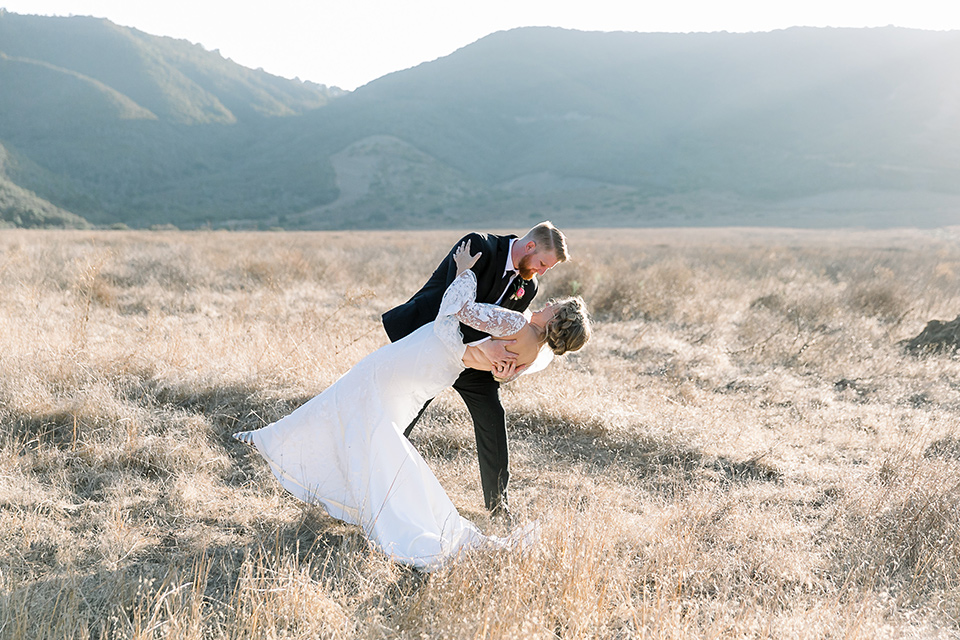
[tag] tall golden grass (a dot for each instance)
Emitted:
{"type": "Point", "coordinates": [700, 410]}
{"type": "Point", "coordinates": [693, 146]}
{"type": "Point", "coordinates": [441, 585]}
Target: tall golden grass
{"type": "Point", "coordinates": [743, 450]}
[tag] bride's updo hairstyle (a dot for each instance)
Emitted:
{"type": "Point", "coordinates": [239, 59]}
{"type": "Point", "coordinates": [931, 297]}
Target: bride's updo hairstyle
{"type": "Point", "coordinates": [569, 329]}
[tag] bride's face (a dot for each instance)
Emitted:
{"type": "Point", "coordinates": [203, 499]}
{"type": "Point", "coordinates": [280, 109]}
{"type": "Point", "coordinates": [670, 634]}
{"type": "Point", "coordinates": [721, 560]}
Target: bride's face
{"type": "Point", "coordinates": [545, 315]}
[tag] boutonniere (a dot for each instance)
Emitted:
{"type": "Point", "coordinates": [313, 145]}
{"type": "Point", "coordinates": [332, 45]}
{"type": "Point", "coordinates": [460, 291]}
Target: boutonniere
{"type": "Point", "coordinates": [518, 293]}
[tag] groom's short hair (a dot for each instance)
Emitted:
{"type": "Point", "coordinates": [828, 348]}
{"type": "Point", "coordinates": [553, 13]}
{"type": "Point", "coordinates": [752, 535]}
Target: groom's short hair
{"type": "Point", "coordinates": [550, 238]}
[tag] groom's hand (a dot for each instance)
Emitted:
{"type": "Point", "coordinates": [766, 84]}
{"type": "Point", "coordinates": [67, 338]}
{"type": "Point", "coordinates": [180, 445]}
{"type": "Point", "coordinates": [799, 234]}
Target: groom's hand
{"type": "Point", "coordinates": [508, 373]}
{"type": "Point", "coordinates": [496, 352]}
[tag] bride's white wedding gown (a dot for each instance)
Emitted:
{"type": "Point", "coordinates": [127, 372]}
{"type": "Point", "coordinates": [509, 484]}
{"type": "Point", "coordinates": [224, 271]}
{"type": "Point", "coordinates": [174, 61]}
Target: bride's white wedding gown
{"type": "Point", "coordinates": [345, 448]}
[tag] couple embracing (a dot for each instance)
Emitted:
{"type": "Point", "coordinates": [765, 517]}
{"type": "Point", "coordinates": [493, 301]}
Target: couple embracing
{"type": "Point", "coordinates": [347, 448]}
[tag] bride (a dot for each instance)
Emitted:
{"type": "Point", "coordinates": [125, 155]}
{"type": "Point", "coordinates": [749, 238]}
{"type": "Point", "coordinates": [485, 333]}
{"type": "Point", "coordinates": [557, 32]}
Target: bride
{"type": "Point", "coordinates": [345, 448]}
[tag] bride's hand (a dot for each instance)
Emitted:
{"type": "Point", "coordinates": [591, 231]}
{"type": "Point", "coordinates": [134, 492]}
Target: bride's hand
{"type": "Point", "coordinates": [462, 257]}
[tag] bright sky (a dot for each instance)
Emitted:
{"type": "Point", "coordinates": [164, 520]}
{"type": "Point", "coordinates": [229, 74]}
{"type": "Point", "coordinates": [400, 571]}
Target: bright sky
{"type": "Point", "coordinates": [348, 43]}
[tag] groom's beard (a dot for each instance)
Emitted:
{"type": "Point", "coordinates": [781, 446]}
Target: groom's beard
{"type": "Point", "coordinates": [524, 268]}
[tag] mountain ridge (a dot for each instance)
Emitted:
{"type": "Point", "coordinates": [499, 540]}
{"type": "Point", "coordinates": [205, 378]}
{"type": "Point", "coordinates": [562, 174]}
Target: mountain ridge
{"type": "Point", "coordinates": [585, 128]}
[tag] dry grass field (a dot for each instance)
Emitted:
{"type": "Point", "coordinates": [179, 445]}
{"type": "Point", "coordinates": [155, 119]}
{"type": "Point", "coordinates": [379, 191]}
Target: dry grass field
{"type": "Point", "coordinates": [742, 451]}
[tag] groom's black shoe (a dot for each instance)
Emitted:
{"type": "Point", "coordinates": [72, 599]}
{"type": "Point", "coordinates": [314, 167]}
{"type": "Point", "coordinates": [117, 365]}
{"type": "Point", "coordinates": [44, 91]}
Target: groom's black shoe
{"type": "Point", "coordinates": [501, 513]}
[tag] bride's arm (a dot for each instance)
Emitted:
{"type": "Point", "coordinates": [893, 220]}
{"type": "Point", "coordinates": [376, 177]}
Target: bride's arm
{"type": "Point", "coordinates": [459, 301]}
{"type": "Point", "coordinates": [489, 318]}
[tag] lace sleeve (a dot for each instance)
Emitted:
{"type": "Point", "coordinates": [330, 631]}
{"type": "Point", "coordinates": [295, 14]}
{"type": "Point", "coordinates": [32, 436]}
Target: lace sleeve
{"type": "Point", "coordinates": [491, 319]}
{"type": "Point", "coordinates": [462, 290]}
{"type": "Point", "coordinates": [459, 305]}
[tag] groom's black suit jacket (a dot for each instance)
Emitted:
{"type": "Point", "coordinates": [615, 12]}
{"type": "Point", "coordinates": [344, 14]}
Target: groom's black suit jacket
{"type": "Point", "coordinates": [425, 303]}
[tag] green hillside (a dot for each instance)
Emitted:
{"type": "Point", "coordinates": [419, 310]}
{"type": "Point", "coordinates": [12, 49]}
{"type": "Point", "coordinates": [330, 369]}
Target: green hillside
{"type": "Point", "coordinates": [22, 208]}
{"type": "Point", "coordinates": [800, 127]}
{"type": "Point", "coordinates": [177, 80]}
{"type": "Point", "coordinates": [133, 128]}
{"type": "Point", "coordinates": [765, 114]}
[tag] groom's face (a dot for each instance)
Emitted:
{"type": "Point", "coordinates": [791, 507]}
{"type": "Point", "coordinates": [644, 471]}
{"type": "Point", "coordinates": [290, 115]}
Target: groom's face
{"type": "Point", "coordinates": [536, 262]}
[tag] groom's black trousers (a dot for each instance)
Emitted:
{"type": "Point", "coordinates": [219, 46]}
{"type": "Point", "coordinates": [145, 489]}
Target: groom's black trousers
{"type": "Point", "coordinates": [481, 394]}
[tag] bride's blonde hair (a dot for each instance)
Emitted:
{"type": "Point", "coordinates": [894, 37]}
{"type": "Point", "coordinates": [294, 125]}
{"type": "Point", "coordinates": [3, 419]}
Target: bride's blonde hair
{"type": "Point", "coordinates": [569, 328]}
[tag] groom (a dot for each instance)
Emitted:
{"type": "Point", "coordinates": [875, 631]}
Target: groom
{"type": "Point", "coordinates": [506, 275]}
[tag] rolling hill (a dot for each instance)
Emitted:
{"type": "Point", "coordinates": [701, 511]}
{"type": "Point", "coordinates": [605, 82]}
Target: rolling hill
{"type": "Point", "coordinates": [120, 126]}
{"type": "Point", "coordinates": [804, 127]}
{"type": "Point", "coordinates": [680, 126]}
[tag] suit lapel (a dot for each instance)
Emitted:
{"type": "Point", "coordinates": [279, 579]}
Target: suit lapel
{"type": "Point", "coordinates": [494, 278]}
{"type": "Point", "coordinates": [520, 294]}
